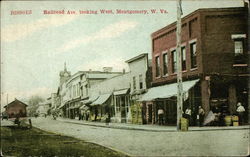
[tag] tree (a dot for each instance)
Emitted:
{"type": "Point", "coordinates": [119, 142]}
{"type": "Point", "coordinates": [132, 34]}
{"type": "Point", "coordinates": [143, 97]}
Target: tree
{"type": "Point", "coordinates": [33, 104]}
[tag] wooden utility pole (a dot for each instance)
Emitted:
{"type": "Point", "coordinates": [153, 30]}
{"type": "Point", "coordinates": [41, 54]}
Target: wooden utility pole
{"type": "Point", "coordinates": [179, 65]}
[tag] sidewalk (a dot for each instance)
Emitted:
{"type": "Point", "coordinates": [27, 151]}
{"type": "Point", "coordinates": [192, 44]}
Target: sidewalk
{"type": "Point", "coordinates": [155, 128]}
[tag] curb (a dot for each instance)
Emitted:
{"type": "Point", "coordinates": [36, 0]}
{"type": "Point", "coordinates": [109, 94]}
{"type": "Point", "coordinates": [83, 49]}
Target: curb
{"type": "Point", "coordinates": [154, 130]}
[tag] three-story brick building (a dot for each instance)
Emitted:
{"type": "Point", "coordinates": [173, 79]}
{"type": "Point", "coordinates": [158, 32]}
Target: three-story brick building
{"type": "Point", "coordinates": [214, 64]}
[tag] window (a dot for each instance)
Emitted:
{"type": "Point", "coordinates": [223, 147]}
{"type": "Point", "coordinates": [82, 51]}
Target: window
{"type": "Point", "coordinates": [134, 83]}
{"type": "Point", "coordinates": [193, 54]}
{"type": "Point", "coordinates": [238, 47]}
{"type": "Point", "coordinates": [174, 61]}
{"type": "Point", "coordinates": [118, 104]}
{"type": "Point", "coordinates": [140, 81]}
{"type": "Point", "coordinates": [74, 91]}
{"type": "Point", "coordinates": [157, 63]}
{"type": "Point", "coordinates": [183, 60]}
{"type": "Point", "coordinates": [165, 64]}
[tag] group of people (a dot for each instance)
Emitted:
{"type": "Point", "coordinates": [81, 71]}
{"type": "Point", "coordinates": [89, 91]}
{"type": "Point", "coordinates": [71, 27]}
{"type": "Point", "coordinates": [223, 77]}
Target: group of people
{"type": "Point", "coordinates": [217, 117]}
{"type": "Point", "coordinates": [200, 116]}
{"type": "Point", "coordinates": [84, 115]}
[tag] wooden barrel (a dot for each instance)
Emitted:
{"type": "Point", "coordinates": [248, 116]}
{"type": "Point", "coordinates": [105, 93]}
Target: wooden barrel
{"type": "Point", "coordinates": [228, 120]}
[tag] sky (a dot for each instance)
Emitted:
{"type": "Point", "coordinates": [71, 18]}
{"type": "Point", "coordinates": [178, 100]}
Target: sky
{"type": "Point", "coordinates": [34, 47]}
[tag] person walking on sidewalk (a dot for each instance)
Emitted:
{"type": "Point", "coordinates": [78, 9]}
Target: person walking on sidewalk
{"type": "Point", "coordinates": [107, 118]}
{"type": "Point", "coordinates": [160, 116]}
{"type": "Point", "coordinates": [201, 116]}
{"type": "Point", "coordinates": [240, 110]}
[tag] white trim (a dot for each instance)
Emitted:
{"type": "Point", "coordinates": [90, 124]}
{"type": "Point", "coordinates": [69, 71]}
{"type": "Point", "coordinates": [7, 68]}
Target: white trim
{"type": "Point", "coordinates": [193, 69]}
{"type": "Point", "coordinates": [183, 44]}
{"type": "Point", "coordinates": [192, 41]}
{"type": "Point", "coordinates": [172, 49]}
{"type": "Point", "coordinates": [238, 36]}
{"type": "Point", "coordinates": [164, 52]}
{"type": "Point", "coordinates": [239, 65]}
{"type": "Point", "coordinates": [158, 54]}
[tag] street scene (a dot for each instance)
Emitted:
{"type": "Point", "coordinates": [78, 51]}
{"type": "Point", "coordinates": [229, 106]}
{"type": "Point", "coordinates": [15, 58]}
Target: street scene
{"type": "Point", "coordinates": [175, 86]}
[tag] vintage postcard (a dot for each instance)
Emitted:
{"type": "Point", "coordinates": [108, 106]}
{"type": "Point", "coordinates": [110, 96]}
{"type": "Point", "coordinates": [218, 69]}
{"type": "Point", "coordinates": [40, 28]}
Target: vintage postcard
{"type": "Point", "coordinates": [125, 78]}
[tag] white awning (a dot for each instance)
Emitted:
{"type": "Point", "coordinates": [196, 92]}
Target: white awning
{"type": "Point", "coordinates": [101, 99]}
{"type": "Point", "coordinates": [90, 100]}
{"type": "Point", "coordinates": [121, 92]}
{"type": "Point", "coordinates": [166, 91]}
{"type": "Point", "coordinates": [63, 104]}
{"type": "Point", "coordinates": [85, 101]}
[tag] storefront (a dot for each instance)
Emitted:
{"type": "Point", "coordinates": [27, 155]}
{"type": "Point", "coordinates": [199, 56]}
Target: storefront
{"type": "Point", "coordinates": [164, 97]}
{"type": "Point", "coordinates": [226, 93]}
{"type": "Point", "coordinates": [101, 107]}
{"type": "Point", "coordinates": [122, 105]}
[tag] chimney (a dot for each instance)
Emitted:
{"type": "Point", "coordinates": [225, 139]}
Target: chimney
{"type": "Point", "coordinates": [123, 71]}
{"type": "Point", "coordinates": [107, 69]}
{"type": "Point", "coordinates": [90, 69]}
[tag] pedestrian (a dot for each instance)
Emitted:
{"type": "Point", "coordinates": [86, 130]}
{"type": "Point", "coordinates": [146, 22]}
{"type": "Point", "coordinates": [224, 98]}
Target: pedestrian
{"type": "Point", "coordinates": [240, 110]}
{"type": "Point", "coordinates": [160, 116]}
{"type": "Point", "coordinates": [188, 114]}
{"type": "Point", "coordinates": [201, 116]}
{"type": "Point", "coordinates": [80, 116]}
{"type": "Point", "coordinates": [217, 113]}
{"type": "Point", "coordinates": [107, 120]}
{"type": "Point", "coordinates": [87, 115]}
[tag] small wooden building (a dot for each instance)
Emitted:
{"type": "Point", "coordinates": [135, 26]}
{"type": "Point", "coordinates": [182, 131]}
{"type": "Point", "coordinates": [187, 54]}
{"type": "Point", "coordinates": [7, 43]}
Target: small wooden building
{"type": "Point", "coordinates": [16, 109]}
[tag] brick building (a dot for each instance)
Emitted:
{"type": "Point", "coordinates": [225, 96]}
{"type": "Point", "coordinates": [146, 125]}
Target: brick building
{"type": "Point", "coordinates": [214, 63]}
{"type": "Point", "coordinates": [16, 109]}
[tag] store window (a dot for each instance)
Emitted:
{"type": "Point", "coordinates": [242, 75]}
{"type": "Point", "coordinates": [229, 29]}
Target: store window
{"type": "Point", "coordinates": [118, 104]}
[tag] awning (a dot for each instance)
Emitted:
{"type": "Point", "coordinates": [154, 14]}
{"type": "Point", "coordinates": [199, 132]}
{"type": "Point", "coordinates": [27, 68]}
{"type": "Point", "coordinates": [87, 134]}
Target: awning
{"type": "Point", "coordinates": [121, 92]}
{"type": "Point", "coordinates": [85, 101]}
{"type": "Point", "coordinates": [84, 107]}
{"type": "Point", "coordinates": [61, 106]}
{"type": "Point", "coordinates": [166, 91]}
{"type": "Point", "coordinates": [74, 107]}
{"type": "Point", "coordinates": [101, 99]}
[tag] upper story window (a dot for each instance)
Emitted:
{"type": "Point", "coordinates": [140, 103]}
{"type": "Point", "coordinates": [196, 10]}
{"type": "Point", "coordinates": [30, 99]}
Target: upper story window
{"type": "Point", "coordinates": [157, 63]}
{"type": "Point", "coordinates": [74, 91]}
{"type": "Point", "coordinates": [193, 54]}
{"type": "Point", "coordinates": [140, 81]}
{"type": "Point", "coordinates": [78, 89]}
{"type": "Point", "coordinates": [238, 47]}
{"type": "Point", "coordinates": [174, 61]}
{"type": "Point", "coordinates": [134, 83]}
{"type": "Point", "coordinates": [165, 64]}
{"type": "Point", "coordinates": [183, 60]}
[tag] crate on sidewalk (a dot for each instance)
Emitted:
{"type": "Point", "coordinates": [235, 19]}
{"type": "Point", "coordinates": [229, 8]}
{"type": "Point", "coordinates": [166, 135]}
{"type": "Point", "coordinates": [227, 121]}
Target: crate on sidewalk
{"type": "Point", "coordinates": [235, 120]}
{"type": "Point", "coordinates": [228, 120]}
{"type": "Point", "coordinates": [184, 124]}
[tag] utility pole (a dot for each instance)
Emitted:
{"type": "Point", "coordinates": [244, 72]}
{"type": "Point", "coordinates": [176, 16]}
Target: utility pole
{"type": "Point", "coordinates": [179, 65]}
